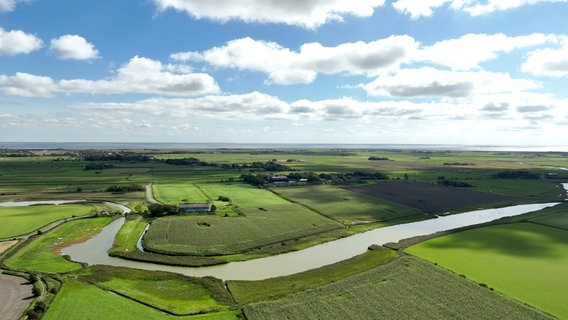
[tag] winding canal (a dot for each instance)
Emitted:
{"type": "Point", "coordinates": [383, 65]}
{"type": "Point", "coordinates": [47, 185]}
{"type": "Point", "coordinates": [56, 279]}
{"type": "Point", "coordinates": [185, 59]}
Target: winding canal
{"type": "Point", "coordinates": [94, 251]}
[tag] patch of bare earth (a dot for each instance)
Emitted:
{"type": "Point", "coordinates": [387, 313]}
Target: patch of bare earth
{"type": "Point", "coordinates": [428, 197]}
{"type": "Point", "coordinates": [7, 245]}
{"type": "Point", "coordinates": [15, 294]}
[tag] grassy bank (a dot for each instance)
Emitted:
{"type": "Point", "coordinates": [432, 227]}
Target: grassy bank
{"type": "Point", "coordinates": [250, 291]}
{"type": "Point", "coordinates": [42, 253]}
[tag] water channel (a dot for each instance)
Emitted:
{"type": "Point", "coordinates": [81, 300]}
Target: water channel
{"type": "Point", "coordinates": [94, 251]}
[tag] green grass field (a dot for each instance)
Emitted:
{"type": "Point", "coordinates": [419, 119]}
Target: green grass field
{"type": "Point", "coordinates": [78, 300]}
{"type": "Point", "coordinates": [345, 206]}
{"type": "Point", "coordinates": [128, 235]}
{"type": "Point", "coordinates": [41, 254]}
{"type": "Point", "coordinates": [405, 288]}
{"type": "Point", "coordinates": [241, 195]}
{"type": "Point", "coordinates": [23, 220]}
{"type": "Point", "coordinates": [213, 235]}
{"type": "Point", "coordinates": [173, 293]}
{"type": "Point", "coordinates": [558, 220]}
{"type": "Point", "coordinates": [523, 260]}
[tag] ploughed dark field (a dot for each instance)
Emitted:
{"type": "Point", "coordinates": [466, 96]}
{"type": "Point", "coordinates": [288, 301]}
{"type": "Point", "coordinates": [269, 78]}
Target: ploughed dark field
{"type": "Point", "coordinates": [427, 197]}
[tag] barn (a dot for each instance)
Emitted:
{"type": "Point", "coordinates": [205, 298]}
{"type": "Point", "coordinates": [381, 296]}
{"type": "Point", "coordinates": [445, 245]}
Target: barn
{"type": "Point", "coordinates": [194, 207]}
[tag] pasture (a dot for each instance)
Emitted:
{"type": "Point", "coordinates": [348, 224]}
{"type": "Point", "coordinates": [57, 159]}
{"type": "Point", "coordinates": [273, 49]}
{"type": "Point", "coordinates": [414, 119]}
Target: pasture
{"type": "Point", "coordinates": [241, 195]}
{"type": "Point", "coordinates": [526, 261]}
{"type": "Point", "coordinates": [558, 220]}
{"type": "Point", "coordinates": [41, 254]}
{"type": "Point", "coordinates": [78, 300]}
{"type": "Point", "coordinates": [172, 293]}
{"type": "Point", "coordinates": [213, 235]}
{"type": "Point", "coordinates": [23, 220]}
{"type": "Point", "coordinates": [404, 288]}
{"type": "Point", "coordinates": [348, 207]}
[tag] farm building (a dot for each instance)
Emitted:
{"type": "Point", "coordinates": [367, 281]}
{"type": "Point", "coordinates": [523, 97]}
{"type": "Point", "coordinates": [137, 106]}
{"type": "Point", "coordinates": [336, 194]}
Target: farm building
{"type": "Point", "coordinates": [278, 179]}
{"type": "Point", "coordinates": [193, 207]}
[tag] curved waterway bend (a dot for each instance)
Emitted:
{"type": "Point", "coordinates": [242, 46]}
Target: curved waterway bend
{"type": "Point", "coordinates": [94, 251]}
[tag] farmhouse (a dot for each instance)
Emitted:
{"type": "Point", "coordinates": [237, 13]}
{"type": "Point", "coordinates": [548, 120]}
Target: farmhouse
{"type": "Point", "coordinates": [193, 207]}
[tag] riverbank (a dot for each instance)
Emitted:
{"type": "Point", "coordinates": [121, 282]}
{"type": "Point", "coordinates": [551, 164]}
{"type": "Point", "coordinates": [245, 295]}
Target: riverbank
{"type": "Point", "coordinates": [94, 251]}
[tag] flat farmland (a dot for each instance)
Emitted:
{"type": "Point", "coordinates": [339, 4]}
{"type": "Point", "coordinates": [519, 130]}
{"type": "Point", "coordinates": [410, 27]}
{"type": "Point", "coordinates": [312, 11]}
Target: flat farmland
{"type": "Point", "coordinates": [178, 193]}
{"type": "Point", "coordinates": [79, 300]}
{"type": "Point", "coordinates": [558, 220]}
{"type": "Point", "coordinates": [214, 235]}
{"type": "Point", "coordinates": [526, 261]}
{"type": "Point", "coordinates": [405, 288]}
{"type": "Point", "coordinates": [428, 197]}
{"type": "Point", "coordinates": [23, 220]}
{"type": "Point", "coordinates": [346, 206]}
{"type": "Point", "coordinates": [170, 292]}
{"type": "Point", "coordinates": [241, 195]}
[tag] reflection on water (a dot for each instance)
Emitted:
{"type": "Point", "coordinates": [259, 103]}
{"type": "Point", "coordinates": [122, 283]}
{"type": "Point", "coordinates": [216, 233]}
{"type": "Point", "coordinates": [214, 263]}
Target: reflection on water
{"type": "Point", "coordinates": [94, 251]}
{"type": "Point", "coordinates": [31, 203]}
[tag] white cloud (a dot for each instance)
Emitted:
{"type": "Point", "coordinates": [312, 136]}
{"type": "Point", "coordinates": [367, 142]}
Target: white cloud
{"type": "Point", "coordinates": [27, 85]}
{"type": "Point", "coordinates": [548, 62]}
{"type": "Point", "coordinates": [489, 6]}
{"type": "Point", "coordinates": [416, 9]}
{"type": "Point", "coordinates": [139, 75]}
{"type": "Point", "coordinates": [304, 13]}
{"type": "Point", "coordinates": [285, 66]}
{"type": "Point", "coordinates": [425, 8]}
{"type": "Point", "coordinates": [9, 5]}
{"type": "Point", "coordinates": [73, 47]}
{"type": "Point", "coordinates": [429, 82]}
{"type": "Point", "coordinates": [468, 51]}
{"type": "Point", "coordinates": [18, 42]}
{"type": "Point", "coordinates": [250, 106]}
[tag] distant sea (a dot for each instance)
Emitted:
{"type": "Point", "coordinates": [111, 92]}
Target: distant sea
{"type": "Point", "coordinates": [171, 145]}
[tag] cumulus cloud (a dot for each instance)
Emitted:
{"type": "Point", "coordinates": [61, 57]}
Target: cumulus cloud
{"type": "Point", "coordinates": [303, 13]}
{"type": "Point", "coordinates": [9, 5]}
{"type": "Point", "coordinates": [285, 66]}
{"type": "Point", "coordinates": [15, 42]}
{"type": "Point", "coordinates": [548, 61]}
{"type": "Point", "coordinates": [27, 85]}
{"type": "Point", "coordinates": [468, 51]}
{"type": "Point", "coordinates": [139, 75]}
{"type": "Point", "coordinates": [73, 47]}
{"type": "Point", "coordinates": [429, 82]}
{"type": "Point", "coordinates": [425, 8]}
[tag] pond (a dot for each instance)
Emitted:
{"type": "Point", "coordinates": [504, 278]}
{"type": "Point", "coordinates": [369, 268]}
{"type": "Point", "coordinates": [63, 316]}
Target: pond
{"type": "Point", "coordinates": [94, 251]}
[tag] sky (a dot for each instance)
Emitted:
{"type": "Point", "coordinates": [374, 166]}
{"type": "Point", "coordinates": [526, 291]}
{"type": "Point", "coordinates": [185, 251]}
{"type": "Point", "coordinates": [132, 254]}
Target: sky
{"type": "Point", "coordinates": [470, 72]}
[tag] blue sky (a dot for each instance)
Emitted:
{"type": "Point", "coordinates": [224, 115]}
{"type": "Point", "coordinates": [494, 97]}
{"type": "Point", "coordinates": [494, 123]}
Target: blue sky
{"type": "Point", "coordinates": [477, 72]}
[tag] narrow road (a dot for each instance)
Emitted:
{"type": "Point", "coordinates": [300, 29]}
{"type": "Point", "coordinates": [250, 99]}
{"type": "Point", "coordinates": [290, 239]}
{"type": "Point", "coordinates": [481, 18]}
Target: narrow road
{"type": "Point", "coordinates": [149, 194]}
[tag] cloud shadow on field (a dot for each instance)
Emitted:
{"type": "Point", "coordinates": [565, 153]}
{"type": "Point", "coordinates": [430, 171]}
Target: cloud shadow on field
{"type": "Point", "coordinates": [524, 239]}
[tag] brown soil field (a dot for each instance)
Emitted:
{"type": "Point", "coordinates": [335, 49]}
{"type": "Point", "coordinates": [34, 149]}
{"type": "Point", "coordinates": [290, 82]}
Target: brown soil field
{"type": "Point", "coordinates": [427, 197]}
{"type": "Point", "coordinates": [15, 296]}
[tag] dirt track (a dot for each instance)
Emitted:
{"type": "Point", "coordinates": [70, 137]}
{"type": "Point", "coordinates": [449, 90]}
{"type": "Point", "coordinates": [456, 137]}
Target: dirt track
{"type": "Point", "coordinates": [15, 294]}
